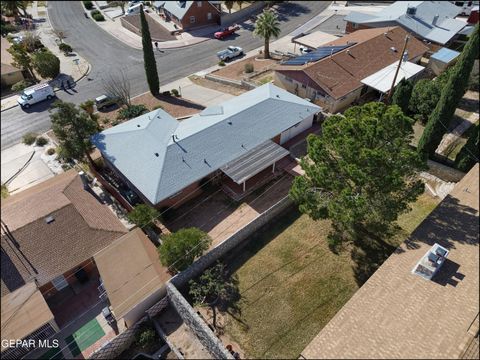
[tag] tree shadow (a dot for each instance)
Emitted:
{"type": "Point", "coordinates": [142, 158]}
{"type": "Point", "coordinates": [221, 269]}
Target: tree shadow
{"type": "Point", "coordinates": [287, 10]}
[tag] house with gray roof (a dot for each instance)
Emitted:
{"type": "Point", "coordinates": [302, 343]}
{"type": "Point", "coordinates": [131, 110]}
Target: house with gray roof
{"type": "Point", "coordinates": [166, 161]}
{"type": "Point", "coordinates": [191, 14]}
{"type": "Point", "coordinates": [432, 21]}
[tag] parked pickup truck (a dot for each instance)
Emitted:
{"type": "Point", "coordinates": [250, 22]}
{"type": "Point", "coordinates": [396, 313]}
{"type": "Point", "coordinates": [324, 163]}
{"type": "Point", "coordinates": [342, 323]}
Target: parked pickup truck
{"type": "Point", "coordinates": [226, 32]}
{"type": "Point", "coordinates": [230, 53]}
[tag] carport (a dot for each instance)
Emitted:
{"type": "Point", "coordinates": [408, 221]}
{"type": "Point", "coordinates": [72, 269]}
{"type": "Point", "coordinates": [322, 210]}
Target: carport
{"type": "Point", "coordinates": [254, 161]}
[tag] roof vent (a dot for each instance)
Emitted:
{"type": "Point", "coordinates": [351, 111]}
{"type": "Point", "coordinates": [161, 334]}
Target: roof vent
{"type": "Point", "coordinates": [138, 125]}
{"type": "Point", "coordinates": [229, 122]}
{"type": "Point", "coordinates": [393, 49]}
{"type": "Point", "coordinates": [435, 19]}
{"type": "Point", "coordinates": [431, 262]}
{"type": "Point", "coordinates": [156, 154]}
{"type": "Point", "coordinates": [49, 219]}
{"type": "Point", "coordinates": [278, 96]}
{"type": "Point", "coordinates": [411, 10]}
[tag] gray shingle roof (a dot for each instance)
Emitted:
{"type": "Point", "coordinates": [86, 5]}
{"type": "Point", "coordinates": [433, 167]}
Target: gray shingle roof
{"type": "Point", "coordinates": [160, 155]}
{"type": "Point", "coordinates": [422, 23]}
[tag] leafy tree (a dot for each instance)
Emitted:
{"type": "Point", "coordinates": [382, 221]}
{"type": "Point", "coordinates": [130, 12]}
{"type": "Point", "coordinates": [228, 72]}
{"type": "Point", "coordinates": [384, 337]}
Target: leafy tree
{"type": "Point", "coordinates": [229, 5]}
{"type": "Point", "coordinates": [73, 128]}
{"type": "Point", "coordinates": [266, 26]}
{"type": "Point", "coordinates": [46, 64]}
{"type": "Point", "coordinates": [469, 154]}
{"type": "Point", "coordinates": [179, 249]}
{"type": "Point", "coordinates": [21, 58]}
{"type": "Point", "coordinates": [143, 215]}
{"type": "Point", "coordinates": [22, 5]}
{"type": "Point", "coordinates": [360, 173]}
{"type": "Point", "coordinates": [212, 287]}
{"type": "Point", "coordinates": [10, 8]}
{"type": "Point", "coordinates": [149, 57]}
{"type": "Point", "coordinates": [401, 96]}
{"type": "Point", "coordinates": [452, 93]}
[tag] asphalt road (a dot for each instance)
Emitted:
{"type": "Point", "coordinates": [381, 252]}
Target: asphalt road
{"type": "Point", "coordinates": [107, 54]}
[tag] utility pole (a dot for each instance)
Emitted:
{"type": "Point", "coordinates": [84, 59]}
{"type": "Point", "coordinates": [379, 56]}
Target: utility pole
{"type": "Point", "coordinates": [390, 93]}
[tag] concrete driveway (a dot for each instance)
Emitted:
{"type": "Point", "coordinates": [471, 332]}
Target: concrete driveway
{"type": "Point", "coordinates": [24, 166]}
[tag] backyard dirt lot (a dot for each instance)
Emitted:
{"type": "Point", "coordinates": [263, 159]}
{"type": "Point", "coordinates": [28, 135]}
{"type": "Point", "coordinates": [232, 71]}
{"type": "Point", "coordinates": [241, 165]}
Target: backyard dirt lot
{"type": "Point", "coordinates": [236, 71]}
{"type": "Point", "coordinates": [288, 270]}
{"type": "Point", "coordinates": [175, 106]}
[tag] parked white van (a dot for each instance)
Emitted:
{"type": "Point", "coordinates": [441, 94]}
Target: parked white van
{"type": "Point", "coordinates": [133, 10]}
{"type": "Point", "coordinates": [35, 94]}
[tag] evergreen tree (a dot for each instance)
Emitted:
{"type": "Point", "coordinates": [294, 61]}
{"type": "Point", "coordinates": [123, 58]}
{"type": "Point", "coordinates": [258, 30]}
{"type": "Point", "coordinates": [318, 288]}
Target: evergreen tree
{"type": "Point", "coordinates": [469, 154]}
{"type": "Point", "coordinates": [401, 96]}
{"type": "Point", "coordinates": [149, 57]}
{"type": "Point", "coordinates": [452, 93]}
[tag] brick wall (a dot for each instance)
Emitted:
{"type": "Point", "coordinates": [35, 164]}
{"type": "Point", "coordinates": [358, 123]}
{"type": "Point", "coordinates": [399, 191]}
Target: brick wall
{"type": "Point", "coordinates": [201, 15]}
{"type": "Point", "coordinates": [185, 194]}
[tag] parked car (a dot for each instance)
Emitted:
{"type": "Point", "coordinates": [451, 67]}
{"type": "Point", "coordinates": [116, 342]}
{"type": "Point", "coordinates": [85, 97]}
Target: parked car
{"type": "Point", "coordinates": [35, 94]}
{"type": "Point", "coordinates": [230, 53]}
{"type": "Point", "coordinates": [128, 194]}
{"type": "Point", "coordinates": [105, 101]}
{"type": "Point", "coordinates": [305, 50]}
{"type": "Point", "coordinates": [226, 32]}
{"type": "Point", "coordinates": [134, 9]}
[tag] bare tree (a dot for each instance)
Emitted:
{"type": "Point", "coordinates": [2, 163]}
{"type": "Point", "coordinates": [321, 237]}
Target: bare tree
{"type": "Point", "coordinates": [60, 34]}
{"type": "Point", "coordinates": [120, 4]}
{"type": "Point", "coordinates": [117, 85]}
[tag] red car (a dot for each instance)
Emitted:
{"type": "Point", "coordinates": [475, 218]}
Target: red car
{"type": "Point", "coordinates": [226, 32]}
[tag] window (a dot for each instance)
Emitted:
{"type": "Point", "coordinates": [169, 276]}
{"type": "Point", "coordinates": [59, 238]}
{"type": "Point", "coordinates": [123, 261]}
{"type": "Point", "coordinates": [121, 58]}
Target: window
{"type": "Point", "coordinates": [304, 86]}
{"type": "Point", "coordinates": [355, 26]}
{"type": "Point", "coordinates": [199, 3]}
{"type": "Point", "coordinates": [209, 16]}
{"type": "Point", "coordinates": [192, 19]}
{"type": "Point", "coordinates": [59, 282]}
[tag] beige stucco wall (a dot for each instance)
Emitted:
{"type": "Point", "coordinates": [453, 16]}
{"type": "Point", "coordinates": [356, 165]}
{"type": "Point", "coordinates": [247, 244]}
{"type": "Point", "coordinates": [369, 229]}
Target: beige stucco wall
{"type": "Point", "coordinates": [12, 78]}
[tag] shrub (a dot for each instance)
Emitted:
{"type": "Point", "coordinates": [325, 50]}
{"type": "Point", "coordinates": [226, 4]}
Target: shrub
{"type": "Point", "coordinates": [19, 86]}
{"type": "Point", "coordinates": [29, 138]}
{"type": "Point", "coordinates": [143, 215]}
{"type": "Point", "coordinates": [51, 151]}
{"type": "Point", "coordinates": [145, 336]}
{"type": "Point", "coordinates": [95, 12]}
{"type": "Point", "coordinates": [41, 141]}
{"type": "Point", "coordinates": [175, 92]}
{"type": "Point", "coordinates": [116, 122]}
{"type": "Point", "coordinates": [7, 28]}
{"type": "Point", "coordinates": [88, 5]}
{"type": "Point", "coordinates": [98, 17]}
{"type": "Point", "coordinates": [221, 63]}
{"type": "Point", "coordinates": [132, 112]}
{"type": "Point", "coordinates": [65, 48]}
{"type": "Point", "coordinates": [88, 106]}
{"type": "Point", "coordinates": [166, 93]}
{"type": "Point", "coordinates": [148, 3]}
{"type": "Point", "coordinates": [248, 68]}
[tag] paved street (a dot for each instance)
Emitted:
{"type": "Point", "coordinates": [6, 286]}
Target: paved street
{"type": "Point", "coordinates": [107, 54]}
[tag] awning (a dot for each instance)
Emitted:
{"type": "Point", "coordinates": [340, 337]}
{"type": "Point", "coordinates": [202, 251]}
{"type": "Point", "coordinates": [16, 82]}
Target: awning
{"type": "Point", "coordinates": [382, 80]}
{"type": "Point", "coordinates": [315, 39]}
{"type": "Point", "coordinates": [254, 161]}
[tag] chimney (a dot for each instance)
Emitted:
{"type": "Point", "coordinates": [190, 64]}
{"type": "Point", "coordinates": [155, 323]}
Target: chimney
{"type": "Point", "coordinates": [83, 176]}
{"type": "Point", "coordinates": [435, 19]}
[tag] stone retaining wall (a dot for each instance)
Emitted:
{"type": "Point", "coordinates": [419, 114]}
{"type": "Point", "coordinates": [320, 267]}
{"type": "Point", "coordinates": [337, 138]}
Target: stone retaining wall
{"type": "Point", "coordinates": [196, 324]}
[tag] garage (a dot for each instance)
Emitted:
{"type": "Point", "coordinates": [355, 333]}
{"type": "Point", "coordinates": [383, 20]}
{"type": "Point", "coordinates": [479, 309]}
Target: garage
{"type": "Point", "coordinates": [296, 129]}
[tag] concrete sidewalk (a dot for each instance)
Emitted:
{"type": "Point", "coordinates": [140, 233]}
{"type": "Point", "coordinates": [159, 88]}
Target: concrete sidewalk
{"type": "Point", "coordinates": [72, 68]}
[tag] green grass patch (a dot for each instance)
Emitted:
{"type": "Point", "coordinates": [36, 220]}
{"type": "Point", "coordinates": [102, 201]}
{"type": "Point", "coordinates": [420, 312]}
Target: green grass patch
{"type": "Point", "coordinates": [5, 192]}
{"type": "Point", "coordinates": [84, 337]}
{"type": "Point", "coordinates": [291, 284]}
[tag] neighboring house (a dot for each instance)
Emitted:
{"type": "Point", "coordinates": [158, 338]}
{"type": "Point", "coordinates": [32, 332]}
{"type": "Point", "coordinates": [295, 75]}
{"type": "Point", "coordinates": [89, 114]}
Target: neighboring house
{"type": "Point", "coordinates": [432, 21]}
{"type": "Point", "coordinates": [334, 81]}
{"type": "Point", "coordinates": [132, 276]}
{"type": "Point", "coordinates": [9, 73]}
{"type": "Point", "coordinates": [25, 315]}
{"type": "Point", "coordinates": [50, 233]}
{"type": "Point", "coordinates": [166, 161]}
{"type": "Point", "coordinates": [398, 314]}
{"type": "Point", "coordinates": [191, 14]}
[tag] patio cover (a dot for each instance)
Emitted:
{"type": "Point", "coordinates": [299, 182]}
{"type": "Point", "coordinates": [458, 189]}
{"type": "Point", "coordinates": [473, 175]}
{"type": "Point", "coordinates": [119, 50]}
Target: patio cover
{"type": "Point", "coordinates": [382, 79]}
{"type": "Point", "coordinates": [315, 39]}
{"type": "Point", "coordinates": [254, 161]}
{"type": "Point", "coordinates": [23, 311]}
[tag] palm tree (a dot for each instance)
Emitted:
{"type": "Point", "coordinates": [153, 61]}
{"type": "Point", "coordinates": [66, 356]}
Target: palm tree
{"type": "Point", "coordinates": [266, 26]}
{"type": "Point", "coordinates": [10, 8]}
{"type": "Point", "coordinates": [229, 5]}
